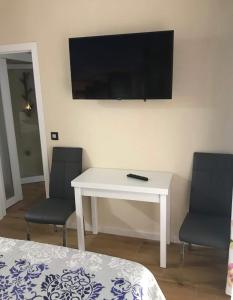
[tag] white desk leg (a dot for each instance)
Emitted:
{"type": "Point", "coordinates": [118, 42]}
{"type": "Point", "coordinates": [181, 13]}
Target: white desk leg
{"type": "Point", "coordinates": [163, 231]}
{"type": "Point", "coordinates": [168, 219]}
{"type": "Point", "coordinates": [94, 215]}
{"type": "Point", "coordinates": [79, 216]}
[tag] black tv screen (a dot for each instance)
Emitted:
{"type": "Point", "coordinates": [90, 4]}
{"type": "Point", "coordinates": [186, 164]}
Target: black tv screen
{"type": "Point", "coordinates": [124, 66]}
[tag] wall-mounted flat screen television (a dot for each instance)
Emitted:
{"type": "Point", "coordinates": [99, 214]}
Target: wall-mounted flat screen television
{"type": "Point", "coordinates": [124, 66]}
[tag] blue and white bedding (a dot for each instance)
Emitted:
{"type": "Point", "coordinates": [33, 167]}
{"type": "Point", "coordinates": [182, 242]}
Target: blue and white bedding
{"type": "Point", "coordinates": [30, 270]}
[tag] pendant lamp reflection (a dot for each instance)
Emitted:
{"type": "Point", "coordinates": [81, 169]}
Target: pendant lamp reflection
{"type": "Point", "coordinates": [27, 103]}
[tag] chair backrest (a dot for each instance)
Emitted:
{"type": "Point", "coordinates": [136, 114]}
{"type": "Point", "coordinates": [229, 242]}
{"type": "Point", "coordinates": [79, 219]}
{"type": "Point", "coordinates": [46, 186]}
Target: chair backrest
{"type": "Point", "coordinates": [212, 182]}
{"type": "Point", "coordinates": [66, 165]}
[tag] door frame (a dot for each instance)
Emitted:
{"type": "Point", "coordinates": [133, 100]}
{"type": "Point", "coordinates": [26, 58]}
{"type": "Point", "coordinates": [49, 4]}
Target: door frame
{"type": "Point", "coordinates": [32, 48]}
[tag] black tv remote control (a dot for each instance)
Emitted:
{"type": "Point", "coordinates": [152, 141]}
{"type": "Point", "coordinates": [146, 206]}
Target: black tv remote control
{"type": "Point", "coordinates": [135, 176]}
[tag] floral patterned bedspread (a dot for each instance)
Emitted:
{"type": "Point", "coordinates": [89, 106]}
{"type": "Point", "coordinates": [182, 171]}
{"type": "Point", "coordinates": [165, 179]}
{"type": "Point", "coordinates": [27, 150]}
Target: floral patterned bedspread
{"type": "Point", "coordinates": [30, 270]}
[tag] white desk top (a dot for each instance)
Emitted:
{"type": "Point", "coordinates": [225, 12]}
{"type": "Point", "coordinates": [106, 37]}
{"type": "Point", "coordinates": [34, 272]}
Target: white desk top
{"type": "Point", "coordinates": [116, 179]}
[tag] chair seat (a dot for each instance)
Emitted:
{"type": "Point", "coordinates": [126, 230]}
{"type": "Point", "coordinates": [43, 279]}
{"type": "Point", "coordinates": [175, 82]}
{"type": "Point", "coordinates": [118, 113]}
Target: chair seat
{"type": "Point", "coordinates": [51, 211]}
{"type": "Point", "coordinates": [205, 230]}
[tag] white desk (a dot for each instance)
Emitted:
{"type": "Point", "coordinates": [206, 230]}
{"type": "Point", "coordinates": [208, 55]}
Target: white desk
{"type": "Point", "coordinates": [113, 183]}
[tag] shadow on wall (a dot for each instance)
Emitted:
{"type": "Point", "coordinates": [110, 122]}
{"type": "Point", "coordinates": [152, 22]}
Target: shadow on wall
{"type": "Point", "coordinates": [180, 191]}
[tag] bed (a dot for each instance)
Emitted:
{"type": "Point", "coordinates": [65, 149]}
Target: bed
{"type": "Point", "coordinates": [30, 270]}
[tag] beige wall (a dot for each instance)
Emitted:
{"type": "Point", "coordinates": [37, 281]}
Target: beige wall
{"type": "Point", "coordinates": [160, 135]}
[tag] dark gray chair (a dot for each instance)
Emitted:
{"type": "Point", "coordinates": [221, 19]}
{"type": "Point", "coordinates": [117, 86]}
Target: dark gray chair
{"type": "Point", "coordinates": [208, 220]}
{"type": "Point", "coordinates": [66, 165]}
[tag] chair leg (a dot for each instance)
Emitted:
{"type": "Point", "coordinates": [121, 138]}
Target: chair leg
{"type": "Point", "coordinates": [182, 253]}
{"type": "Point", "coordinates": [189, 246]}
{"type": "Point", "coordinates": [55, 228]}
{"type": "Point", "coordinates": [64, 235]}
{"type": "Point", "coordinates": [28, 232]}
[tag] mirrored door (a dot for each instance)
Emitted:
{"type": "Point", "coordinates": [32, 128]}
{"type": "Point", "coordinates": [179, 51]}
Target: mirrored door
{"type": "Point", "coordinates": [5, 157]}
{"type": "Point", "coordinates": [9, 167]}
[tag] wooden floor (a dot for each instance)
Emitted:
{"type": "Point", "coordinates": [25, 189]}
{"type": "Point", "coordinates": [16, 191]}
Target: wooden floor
{"type": "Point", "coordinates": [202, 276]}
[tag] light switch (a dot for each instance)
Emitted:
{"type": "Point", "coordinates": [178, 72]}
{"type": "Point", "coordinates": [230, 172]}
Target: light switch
{"type": "Point", "coordinates": [54, 136]}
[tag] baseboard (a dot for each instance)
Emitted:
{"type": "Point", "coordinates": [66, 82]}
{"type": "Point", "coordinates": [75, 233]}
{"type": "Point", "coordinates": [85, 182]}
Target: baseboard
{"type": "Point", "coordinates": [32, 179]}
{"type": "Point", "coordinates": [11, 201]}
{"type": "Point", "coordinates": [128, 232]}
{"type": "Point", "coordinates": [176, 240]}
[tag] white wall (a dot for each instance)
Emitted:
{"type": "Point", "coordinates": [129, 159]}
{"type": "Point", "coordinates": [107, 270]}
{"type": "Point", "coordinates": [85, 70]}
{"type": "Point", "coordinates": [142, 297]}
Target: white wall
{"type": "Point", "coordinates": [160, 135]}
